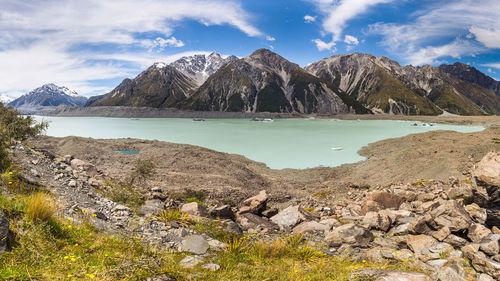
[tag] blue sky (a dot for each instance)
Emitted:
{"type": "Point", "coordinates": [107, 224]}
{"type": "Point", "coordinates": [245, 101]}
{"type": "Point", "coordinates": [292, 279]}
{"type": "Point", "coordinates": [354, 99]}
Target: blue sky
{"type": "Point", "coordinates": [90, 46]}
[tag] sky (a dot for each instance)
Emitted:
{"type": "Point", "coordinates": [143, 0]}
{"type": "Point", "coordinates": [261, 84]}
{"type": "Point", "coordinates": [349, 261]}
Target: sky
{"type": "Point", "coordinates": [90, 46]}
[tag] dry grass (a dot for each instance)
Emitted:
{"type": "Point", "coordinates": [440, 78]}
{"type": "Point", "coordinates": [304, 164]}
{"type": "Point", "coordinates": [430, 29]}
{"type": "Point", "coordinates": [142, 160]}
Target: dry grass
{"type": "Point", "coordinates": [40, 207]}
{"type": "Point", "coordinates": [175, 216]}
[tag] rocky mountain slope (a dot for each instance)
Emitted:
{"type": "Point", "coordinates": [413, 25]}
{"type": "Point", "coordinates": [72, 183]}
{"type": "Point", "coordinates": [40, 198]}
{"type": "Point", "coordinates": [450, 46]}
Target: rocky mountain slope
{"type": "Point", "coordinates": [162, 85]}
{"type": "Point", "coordinates": [471, 74]}
{"type": "Point", "coordinates": [46, 97]}
{"type": "Point", "coordinates": [159, 86]}
{"type": "Point", "coordinates": [265, 81]}
{"type": "Point", "coordinates": [384, 86]}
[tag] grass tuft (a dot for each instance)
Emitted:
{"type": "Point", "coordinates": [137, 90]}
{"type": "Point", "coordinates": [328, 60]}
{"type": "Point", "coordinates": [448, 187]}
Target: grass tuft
{"type": "Point", "coordinates": [40, 207]}
{"type": "Point", "coordinates": [174, 216]}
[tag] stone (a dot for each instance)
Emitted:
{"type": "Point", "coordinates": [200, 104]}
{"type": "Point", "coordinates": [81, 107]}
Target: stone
{"type": "Point", "coordinates": [72, 183]}
{"type": "Point", "coordinates": [451, 214]}
{"type": "Point", "coordinates": [194, 209]}
{"type": "Point", "coordinates": [190, 261]}
{"type": "Point", "coordinates": [437, 263]}
{"type": "Point", "coordinates": [270, 212]}
{"type": "Point", "coordinates": [222, 212]}
{"type": "Point", "coordinates": [401, 229]}
{"type": "Point", "coordinates": [232, 227]}
{"type": "Point", "coordinates": [290, 217]}
{"type": "Point", "coordinates": [211, 266]}
{"type": "Point", "coordinates": [387, 275]}
{"type": "Point", "coordinates": [485, 277]}
{"type": "Point", "coordinates": [351, 234]}
{"type": "Point", "coordinates": [330, 222]}
{"type": "Point", "coordinates": [310, 227]}
{"type": "Point", "coordinates": [421, 225]}
{"type": "Point", "coordinates": [383, 200]}
{"type": "Point", "coordinates": [460, 192]}
{"type": "Point", "coordinates": [249, 220]}
{"type": "Point", "coordinates": [441, 234]}
{"type": "Point", "coordinates": [195, 244]}
{"type": "Point", "coordinates": [490, 247]}
{"type": "Point", "coordinates": [420, 244]}
{"type": "Point", "coordinates": [455, 241]}
{"type": "Point", "coordinates": [447, 273]}
{"type": "Point", "coordinates": [470, 249]}
{"type": "Point", "coordinates": [4, 233]}
{"type": "Point", "coordinates": [377, 221]}
{"type": "Point", "coordinates": [486, 265]}
{"type": "Point", "coordinates": [161, 277]}
{"type": "Point", "coordinates": [255, 205]}
{"type": "Point", "coordinates": [477, 232]}
{"type": "Point", "coordinates": [488, 169]}
{"type": "Point", "coordinates": [477, 213]}
{"type": "Point", "coordinates": [151, 207]}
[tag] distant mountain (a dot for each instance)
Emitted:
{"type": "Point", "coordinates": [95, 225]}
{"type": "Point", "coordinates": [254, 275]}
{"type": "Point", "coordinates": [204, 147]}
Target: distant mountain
{"type": "Point", "coordinates": [472, 75]}
{"type": "Point", "coordinates": [265, 81]}
{"type": "Point", "coordinates": [383, 85]}
{"type": "Point", "coordinates": [200, 67]}
{"type": "Point", "coordinates": [163, 85]}
{"type": "Point", "coordinates": [46, 97]}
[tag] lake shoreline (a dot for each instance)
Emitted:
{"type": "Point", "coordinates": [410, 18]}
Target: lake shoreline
{"type": "Point", "coordinates": [146, 112]}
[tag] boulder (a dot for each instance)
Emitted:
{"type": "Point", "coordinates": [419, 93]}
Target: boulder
{"type": "Point", "coordinates": [383, 200]}
{"type": "Point", "coordinates": [211, 266]}
{"type": "Point", "coordinates": [310, 227]}
{"type": "Point", "coordinates": [151, 207]}
{"type": "Point", "coordinates": [451, 214]}
{"type": "Point", "coordinates": [441, 234]}
{"type": "Point", "coordinates": [4, 233]}
{"type": "Point", "coordinates": [351, 234]}
{"type": "Point", "coordinates": [387, 275]}
{"type": "Point", "coordinates": [195, 244]}
{"type": "Point", "coordinates": [488, 169]}
{"type": "Point", "coordinates": [377, 221]}
{"type": "Point", "coordinates": [291, 216]}
{"type": "Point", "coordinates": [421, 225]}
{"type": "Point", "coordinates": [420, 244]}
{"type": "Point", "coordinates": [222, 212]}
{"type": "Point", "coordinates": [191, 261]}
{"type": "Point", "coordinates": [485, 265]}
{"type": "Point", "coordinates": [249, 220]}
{"type": "Point", "coordinates": [194, 209]}
{"type": "Point", "coordinates": [490, 247]}
{"type": "Point", "coordinates": [455, 241]}
{"type": "Point", "coordinates": [256, 204]}
{"type": "Point", "coordinates": [477, 213]}
{"type": "Point", "coordinates": [270, 213]}
{"type": "Point", "coordinates": [477, 232]}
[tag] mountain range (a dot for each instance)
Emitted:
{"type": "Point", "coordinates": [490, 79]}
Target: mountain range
{"type": "Point", "coordinates": [46, 97]}
{"type": "Point", "coordinates": [267, 82]}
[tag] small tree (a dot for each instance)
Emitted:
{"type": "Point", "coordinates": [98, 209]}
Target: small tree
{"type": "Point", "coordinates": [143, 170]}
{"type": "Point", "coordinates": [14, 127]}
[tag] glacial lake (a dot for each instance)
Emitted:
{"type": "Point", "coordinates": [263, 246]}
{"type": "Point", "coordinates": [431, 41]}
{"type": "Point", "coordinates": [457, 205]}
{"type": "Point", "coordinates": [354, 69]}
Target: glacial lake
{"type": "Point", "coordinates": [284, 143]}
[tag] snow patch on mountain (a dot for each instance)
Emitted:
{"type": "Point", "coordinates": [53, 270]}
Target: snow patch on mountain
{"type": "Point", "coordinates": [47, 96]}
{"type": "Point", "coordinates": [200, 67]}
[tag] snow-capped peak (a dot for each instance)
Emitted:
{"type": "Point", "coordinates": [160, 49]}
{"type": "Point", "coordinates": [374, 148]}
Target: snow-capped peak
{"type": "Point", "coordinates": [199, 67]}
{"type": "Point", "coordinates": [159, 65]}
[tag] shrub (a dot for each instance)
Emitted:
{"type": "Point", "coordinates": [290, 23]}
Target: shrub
{"type": "Point", "coordinates": [143, 169]}
{"type": "Point", "coordinates": [124, 193]}
{"type": "Point", "coordinates": [14, 127]}
{"type": "Point", "coordinates": [307, 253]}
{"type": "Point", "coordinates": [215, 230]}
{"type": "Point", "coordinates": [293, 240]}
{"type": "Point", "coordinates": [276, 248]}
{"type": "Point", "coordinates": [40, 207]}
{"type": "Point", "coordinates": [189, 194]}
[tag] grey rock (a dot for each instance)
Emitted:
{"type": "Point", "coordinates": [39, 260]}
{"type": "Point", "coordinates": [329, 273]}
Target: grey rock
{"type": "Point", "coordinates": [387, 275]}
{"type": "Point", "coordinates": [4, 233]}
{"type": "Point", "coordinates": [222, 212]}
{"type": "Point", "coordinates": [477, 213]}
{"type": "Point", "coordinates": [151, 207]}
{"type": "Point", "coordinates": [310, 227]}
{"type": "Point", "coordinates": [377, 221]}
{"type": "Point", "coordinates": [351, 234]}
{"type": "Point", "coordinates": [290, 217]}
{"type": "Point", "coordinates": [191, 261]}
{"type": "Point", "coordinates": [211, 266]}
{"type": "Point", "coordinates": [194, 209]}
{"type": "Point", "coordinates": [490, 247]}
{"type": "Point", "coordinates": [195, 244]}
{"type": "Point", "coordinates": [249, 220]}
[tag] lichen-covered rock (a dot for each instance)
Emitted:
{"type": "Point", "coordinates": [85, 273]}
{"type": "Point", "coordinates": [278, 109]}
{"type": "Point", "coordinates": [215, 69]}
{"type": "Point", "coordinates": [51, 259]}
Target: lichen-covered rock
{"type": "Point", "coordinates": [195, 244]}
{"type": "Point", "coordinates": [351, 234]}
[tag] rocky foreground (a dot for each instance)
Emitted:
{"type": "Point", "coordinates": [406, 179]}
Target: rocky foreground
{"type": "Point", "coordinates": [449, 230]}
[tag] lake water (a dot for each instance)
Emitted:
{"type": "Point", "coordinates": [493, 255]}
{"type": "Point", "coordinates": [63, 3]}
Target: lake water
{"type": "Point", "coordinates": [284, 143]}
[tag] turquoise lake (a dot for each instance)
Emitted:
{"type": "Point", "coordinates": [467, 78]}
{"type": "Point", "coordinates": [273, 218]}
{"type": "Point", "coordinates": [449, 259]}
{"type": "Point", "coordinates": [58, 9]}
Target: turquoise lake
{"type": "Point", "coordinates": [284, 143]}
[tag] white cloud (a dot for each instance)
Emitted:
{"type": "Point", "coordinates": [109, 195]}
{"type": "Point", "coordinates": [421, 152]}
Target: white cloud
{"type": "Point", "coordinates": [447, 22]}
{"type": "Point", "coordinates": [270, 38]}
{"type": "Point", "coordinates": [455, 49]}
{"type": "Point", "coordinates": [489, 37]}
{"type": "Point", "coordinates": [492, 65]}
{"type": "Point", "coordinates": [43, 41]}
{"type": "Point", "coordinates": [322, 46]}
{"type": "Point", "coordinates": [338, 13]}
{"type": "Point", "coordinates": [351, 40]}
{"type": "Point", "coordinates": [309, 19]}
